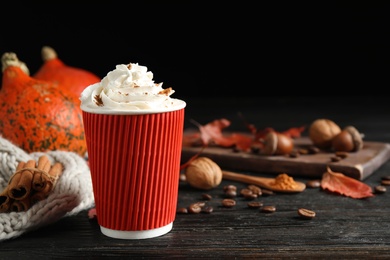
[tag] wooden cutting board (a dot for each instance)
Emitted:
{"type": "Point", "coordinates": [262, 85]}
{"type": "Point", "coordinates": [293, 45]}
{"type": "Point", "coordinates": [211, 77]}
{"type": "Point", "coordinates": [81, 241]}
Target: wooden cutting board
{"type": "Point", "coordinates": [358, 165]}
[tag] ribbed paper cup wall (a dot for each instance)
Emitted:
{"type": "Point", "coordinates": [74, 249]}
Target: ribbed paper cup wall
{"type": "Point", "coordinates": [135, 163]}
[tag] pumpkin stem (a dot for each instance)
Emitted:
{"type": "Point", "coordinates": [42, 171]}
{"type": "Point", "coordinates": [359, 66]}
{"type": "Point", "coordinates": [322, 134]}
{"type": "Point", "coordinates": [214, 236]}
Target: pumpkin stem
{"type": "Point", "coordinates": [48, 53]}
{"type": "Point", "coordinates": [10, 59]}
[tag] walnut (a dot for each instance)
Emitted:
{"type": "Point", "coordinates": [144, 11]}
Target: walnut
{"type": "Point", "coordinates": [322, 131]}
{"type": "Point", "coordinates": [203, 173]}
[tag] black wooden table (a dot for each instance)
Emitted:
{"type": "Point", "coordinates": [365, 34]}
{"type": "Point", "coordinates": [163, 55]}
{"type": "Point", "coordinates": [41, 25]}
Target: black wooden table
{"type": "Point", "coordinates": [344, 228]}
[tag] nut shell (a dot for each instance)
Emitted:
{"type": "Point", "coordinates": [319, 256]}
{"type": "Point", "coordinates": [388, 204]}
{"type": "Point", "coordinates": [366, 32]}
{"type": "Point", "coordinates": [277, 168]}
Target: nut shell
{"type": "Point", "coordinates": [343, 142]}
{"type": "Point", "coordinates": [322, 131]}
{"type": "Point", "coordinates": [277, 144]}
{"type": "Point", "coordinates": [203, 173]}
{"type": "Point", "coordinates": [348, 140]}
{"type": "Point", "coordinates": [270, 143]}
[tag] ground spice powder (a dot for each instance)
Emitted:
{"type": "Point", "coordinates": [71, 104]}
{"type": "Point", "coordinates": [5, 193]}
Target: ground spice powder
{"type": "Point", "coordinates": [283, 181]}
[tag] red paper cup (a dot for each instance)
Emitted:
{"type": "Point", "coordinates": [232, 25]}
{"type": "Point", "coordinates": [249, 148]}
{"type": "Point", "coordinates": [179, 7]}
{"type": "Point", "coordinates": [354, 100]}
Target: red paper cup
{"type": "Point", "coordinates": [135, 167]}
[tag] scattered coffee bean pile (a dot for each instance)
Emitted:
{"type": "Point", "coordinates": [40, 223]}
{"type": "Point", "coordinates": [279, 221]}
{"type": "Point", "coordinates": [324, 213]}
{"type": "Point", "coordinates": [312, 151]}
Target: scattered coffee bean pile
{"type": "Point", "coordinates": [252, 192]}
{"type": "Point", "coordinates": [381, 188]}
{"type": "Point", "coordinates": [334, 157]}
{"type": "Point", "coordinates": [249, 193]}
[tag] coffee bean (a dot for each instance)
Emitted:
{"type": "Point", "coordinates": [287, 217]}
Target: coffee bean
{"type": "Point", "coordinates": [250, 196]}
{"type": "Point", "coordinates": [268, 209]}
{"type": "Point", "coordinates": [335, 158]}
{"type": "Point", "coordinates": [228, 203]}
{"type": "Point", "coordinates": [313, 150]}
{"type": "Point", "coordinates": [201, 203]}
{"type": "Point", "coordinates": [196, 207]}
{"type": "Point", "coordinates": [206, 196]}
{"type": "Point", "coordinates": [313, 183]}
{"type": "Point", "coordinates": [380, 189]}
{"type": "Point", "coordinates": [231, 193]}
{"type": "Point", "coordinates": [229, 187]}
{"type": "Point", "coordinates": [266, 192]}
{"type": "Point", "coordinates": [293, 154]}
{"type": "Point", "coordinates": [342, 154]}
{"type": "Point", "coordinates": [245, 191]}
{"type": "Point", "coordinates": [303, 151]}
{"type": "Point", "coordinates": [207, 209]}
{"type": "Point", "coordinates": [306, 213]}
{"type": "Point", "coordinates": [255, 204]}
{"type": "Point", "coordinates": [385, 182]}
{"type": "Point", "coordinates": [255, 189]}
{"type": "Point", "coordinates": [182, 210]}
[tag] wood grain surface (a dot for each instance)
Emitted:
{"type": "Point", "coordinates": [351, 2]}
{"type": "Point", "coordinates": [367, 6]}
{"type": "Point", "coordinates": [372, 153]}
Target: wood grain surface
{"type": "Point", "coordinates": [358, 165]}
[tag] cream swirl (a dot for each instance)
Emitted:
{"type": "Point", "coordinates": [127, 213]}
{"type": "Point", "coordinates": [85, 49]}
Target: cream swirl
{"type": "Point", "coordinates": [128, 88]}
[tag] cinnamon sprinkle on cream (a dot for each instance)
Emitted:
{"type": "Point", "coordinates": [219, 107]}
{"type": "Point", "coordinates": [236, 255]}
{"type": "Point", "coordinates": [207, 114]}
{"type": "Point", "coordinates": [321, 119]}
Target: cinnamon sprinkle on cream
{"type": "Point", "coordinates": [99, 101]}
{"type": "Point", "coordinates": [165, 91]}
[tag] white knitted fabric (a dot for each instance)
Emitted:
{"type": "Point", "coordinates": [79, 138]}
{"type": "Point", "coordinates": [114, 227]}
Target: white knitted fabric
{"type": "Point", "coordinates": [71, 194]}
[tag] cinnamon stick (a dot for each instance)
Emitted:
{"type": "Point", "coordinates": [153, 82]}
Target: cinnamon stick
{"type": "Point", "coordinates": [32, 182]}
{"type": "Point", "coordinates": [38, 196]}
{"type": "Point", "coordinates": [21, 181]}
{"type": "Point", "coordinates": [40, 179]}
{"type": "Point", "coordinates": [50, 180]}
{"type": "Point", "coordinates": [43, 193]}
{"type": "Point", "coordinates": [55, 172]}
{"type": "Point", "coordinates": [20, 205]}
{"type": "Point", "coordinates": [5, 200]}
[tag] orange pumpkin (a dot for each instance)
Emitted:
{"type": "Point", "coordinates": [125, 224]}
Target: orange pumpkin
{"type": "Point", "coordinates": [55, 70]}
{"type": "Point", "coordinates": [38, 115]}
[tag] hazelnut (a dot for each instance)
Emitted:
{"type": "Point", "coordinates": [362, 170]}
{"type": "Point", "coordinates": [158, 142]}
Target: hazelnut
{"type": "Point", "coordinates": [203, 173]}
{"type": "Point", "coordinates": [322, 131]}
{"type": "Point", "coordinates": [348, 140]}
{"type": "Point", "coordinates": [277, 144]}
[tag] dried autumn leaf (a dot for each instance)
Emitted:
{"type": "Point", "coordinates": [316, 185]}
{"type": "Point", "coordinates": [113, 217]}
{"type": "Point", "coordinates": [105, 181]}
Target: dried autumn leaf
{"type": "Point", "coordinates": [92, 213]}
{"type": "Point", "coordinates": [242, 142]}
{"type": "Point", "coordinates": [261, 134]}
{"type": "Point", "coordinates": [344, 185]}
{"type": "Point", "coordinates": [191, 139]}
{"type": "Point", "coordinates": [212, 133]}
{"type": "Point", "coordinates": [294, 132]}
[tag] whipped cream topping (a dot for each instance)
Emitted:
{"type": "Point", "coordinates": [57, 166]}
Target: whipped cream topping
{"type": "Point", "coordinates": [129, 88]}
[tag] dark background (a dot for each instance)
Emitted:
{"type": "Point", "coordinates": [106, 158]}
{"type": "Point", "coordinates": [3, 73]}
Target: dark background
{"type": "Point", "coordinates": [203, 50]}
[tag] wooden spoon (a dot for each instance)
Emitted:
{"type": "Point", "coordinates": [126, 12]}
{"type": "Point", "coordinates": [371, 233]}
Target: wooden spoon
{"type": "Point", "coordinates": [262, 182]}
